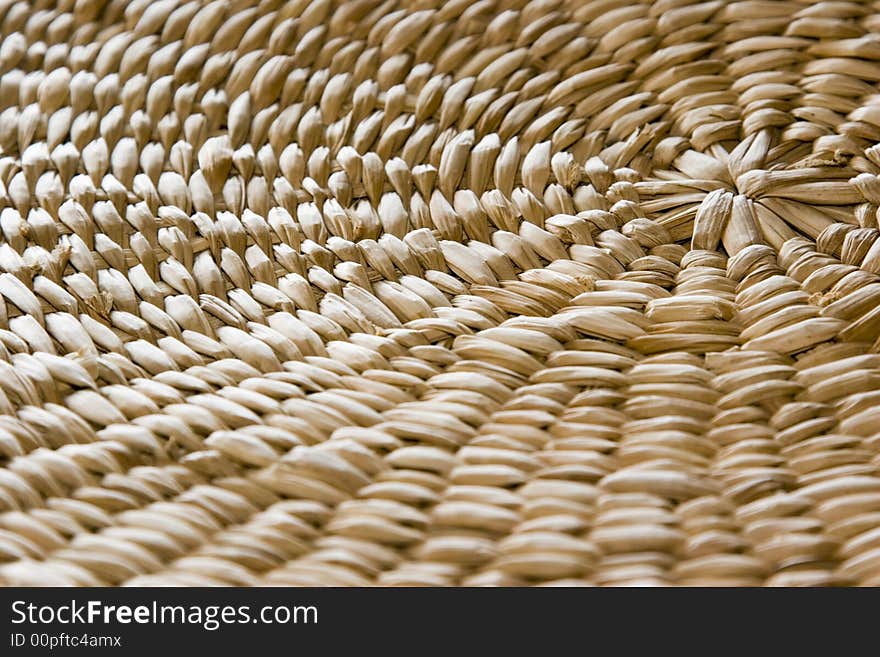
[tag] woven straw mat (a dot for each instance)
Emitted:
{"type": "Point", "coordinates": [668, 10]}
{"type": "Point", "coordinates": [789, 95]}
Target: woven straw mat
{"type": "Point", "coordinates": [439, 293]}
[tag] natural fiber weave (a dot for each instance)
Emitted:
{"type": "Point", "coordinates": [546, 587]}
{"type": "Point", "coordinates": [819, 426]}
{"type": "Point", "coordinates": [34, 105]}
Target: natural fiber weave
{"type": "Point", "coordinates": [469, 292]}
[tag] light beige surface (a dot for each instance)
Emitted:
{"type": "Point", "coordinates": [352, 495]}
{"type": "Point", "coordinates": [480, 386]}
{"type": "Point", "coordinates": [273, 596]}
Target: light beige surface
{"type": "Point", "coordinates": [439, 292]}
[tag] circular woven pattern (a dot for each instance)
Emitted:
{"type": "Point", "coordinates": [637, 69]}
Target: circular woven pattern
{"type": "Point", "coordinates": [430, 293]}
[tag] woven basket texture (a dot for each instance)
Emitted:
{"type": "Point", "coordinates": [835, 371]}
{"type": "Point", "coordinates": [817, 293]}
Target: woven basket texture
{"type": "Point", "coordinates": [439, 292]}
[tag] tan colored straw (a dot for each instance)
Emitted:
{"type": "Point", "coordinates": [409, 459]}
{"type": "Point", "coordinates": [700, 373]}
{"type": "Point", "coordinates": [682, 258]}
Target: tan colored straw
{"type": "Point", "coordinates": [439, 292]}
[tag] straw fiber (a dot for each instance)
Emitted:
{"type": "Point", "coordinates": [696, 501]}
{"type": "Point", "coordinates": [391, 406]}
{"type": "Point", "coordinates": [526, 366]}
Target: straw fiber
{"type": "Point", "coordinates": [430, 293]}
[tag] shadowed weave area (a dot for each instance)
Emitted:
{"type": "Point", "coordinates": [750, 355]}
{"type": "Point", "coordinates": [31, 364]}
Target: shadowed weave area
{"type": "Point", "coordinates": [432, 293]}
